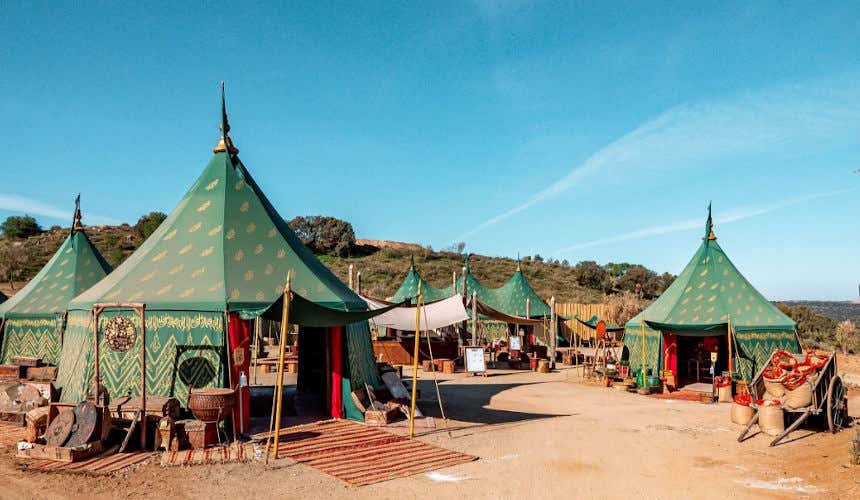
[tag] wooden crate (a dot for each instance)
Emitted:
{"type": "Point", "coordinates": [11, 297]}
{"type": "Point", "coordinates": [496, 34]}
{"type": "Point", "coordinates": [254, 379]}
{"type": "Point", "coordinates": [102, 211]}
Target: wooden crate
{"type": "Point", "coordinates": [12, 372]}
{"type": "Point", "coordinates": [59, 453]}
{"type": "Point", "coordinates": [380, 417]}
{"type": "Point", "coordinates": [42, 373]}
{"type": "Point", "coordinates": [26, 361]}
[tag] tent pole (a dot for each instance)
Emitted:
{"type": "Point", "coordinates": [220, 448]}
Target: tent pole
{"type": "Point", "coordinates": [415, 364]}
{"type": "Point", "coordinates": [642, 367]}
{"type": "Point", "coordinates": [285, 319]}
{"type": "Point", "coordinates": [552, 331]}
{"type": "Point", "coordinates": [474, 319]}
{"type": "Point", "coordinates": [142, 312]}
{"type": "Point", "coordinates": [731, 359]}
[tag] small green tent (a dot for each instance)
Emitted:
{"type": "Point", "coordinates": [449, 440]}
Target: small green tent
{"type": "Point", "coordinates": [220, 258]}
{"type": "Point", "coordinates": [515, 298]}
{"type": "Point", "coordinates": [708, 296]}
{"type": "Point", "coordinates": [409, 288]}
{"type": "Point", "coordinates": [32, 319]}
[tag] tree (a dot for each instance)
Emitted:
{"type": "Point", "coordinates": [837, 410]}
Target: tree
{"type": "Point", "coordinates": [13, 260]}
{"type": "Point", "coordinates": [20, 227]}
{"type": "Point", "coordinates": [811, 326]}
{"type": "Point", "coordinates": [617, 270]}
{"type": "Point", "coordinates": [324, 235]}
{"type": "Point", "coordinates": [846, 336]}
{"type": "Point", "coordinates": [147, 224]}
{"type": "Point", "coordinates": [666, 280]}
{"type": "Point", "coordinates": [639, 279]}
{"type": "Point", "coordinates": [589, 274]}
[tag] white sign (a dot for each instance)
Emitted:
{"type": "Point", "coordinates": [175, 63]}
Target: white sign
{"type": "Point", "coordinates": [515, 343]}
{"type": "Point", "coordinates": [475, 359]}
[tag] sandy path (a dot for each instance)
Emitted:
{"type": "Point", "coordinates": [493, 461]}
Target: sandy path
{"type": "Point", "coordinates": [536, 434]}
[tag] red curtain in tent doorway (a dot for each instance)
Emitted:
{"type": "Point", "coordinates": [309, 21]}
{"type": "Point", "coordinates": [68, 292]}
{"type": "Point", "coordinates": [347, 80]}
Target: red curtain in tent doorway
{"type": "Point", "coordinates": [239, 336]}
{"type": "Point", "coordinates": [335, 340]}
{"type": "Point", "coordinates": [670, 353]}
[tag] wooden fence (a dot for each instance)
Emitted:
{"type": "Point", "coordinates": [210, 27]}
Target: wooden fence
{"type": "Point", "coordinates": [585, 312]}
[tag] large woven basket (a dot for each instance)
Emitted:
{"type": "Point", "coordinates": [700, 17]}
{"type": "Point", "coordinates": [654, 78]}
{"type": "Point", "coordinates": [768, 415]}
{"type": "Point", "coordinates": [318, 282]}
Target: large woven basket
{"type": "Point", "coordinates": [211, 405]}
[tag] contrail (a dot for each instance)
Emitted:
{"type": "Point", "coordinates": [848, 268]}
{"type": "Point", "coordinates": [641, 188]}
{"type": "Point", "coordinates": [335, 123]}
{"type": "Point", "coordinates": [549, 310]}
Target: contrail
{"type": "Point", "coordinates": [690, 134]}
{"type": "Point", "coordinates": [15, 203]}
{"type": "Point", "coordinates": [732, 216]}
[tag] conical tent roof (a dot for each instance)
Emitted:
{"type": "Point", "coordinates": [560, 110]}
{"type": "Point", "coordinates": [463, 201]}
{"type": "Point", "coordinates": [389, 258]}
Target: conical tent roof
{"type": "Point", "coordinates": [223, 248]}
{"type": "Point", "coordinates": [707, 294]}
{"type": "Point", "coordinates": [509, 298]}
{"type": "Point", "coordinates": [73, 268]}
{"type": "Point", "coordinates": [409, 288]}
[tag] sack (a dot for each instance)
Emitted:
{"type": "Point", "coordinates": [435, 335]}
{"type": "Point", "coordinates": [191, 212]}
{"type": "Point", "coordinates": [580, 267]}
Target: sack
{"type": "Point", "coordinates": [770, 420]}
{"type": "Point", "coordinates": [724, 393]}
{"type": "Point", "coordinates": [800, 397]}
{"type": "Point", "coordinates": [743, 399]}
{"type": "Point", "coordinates": [741, 414]}
{"type": "Point", "coordinates": [793, 381]}
{"type": "Point", "coordinates": [783, 359]}
{"type": "Point", "coordinates": [774, 389]}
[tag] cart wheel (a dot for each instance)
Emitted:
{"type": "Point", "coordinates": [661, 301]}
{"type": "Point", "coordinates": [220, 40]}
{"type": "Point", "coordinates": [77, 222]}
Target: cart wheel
{"type": "Point", "coordinates": [835, 404]}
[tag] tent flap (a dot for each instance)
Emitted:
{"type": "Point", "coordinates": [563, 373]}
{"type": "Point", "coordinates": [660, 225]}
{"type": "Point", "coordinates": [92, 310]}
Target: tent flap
{"type": "Point", "coordinates": [307, 313]}
{"type": "Point", "coordinates": [435, 315]}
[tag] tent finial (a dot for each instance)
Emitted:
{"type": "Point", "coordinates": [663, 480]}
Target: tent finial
{"type": "Point", "coordinates": [519, 262]}
{"type": "Point", "coordinates": [224, 142]}
{"type": "Point", "coordinates": [411, 262]}
{"type": "Point", "coordinates": [709, 226]}
{"type": "Point", "coordinates": [76, 222]}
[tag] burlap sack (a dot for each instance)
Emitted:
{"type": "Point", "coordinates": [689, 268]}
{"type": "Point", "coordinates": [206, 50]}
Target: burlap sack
{"type": "Point", "coordinates": [770, 420]}
{"type": "Point", "coordinates": [801, 397]}
{"type": "Point", "coordinates": [724, 394]}
{"type": "Point", "coordinates": [774, 388]}
{"type": "Point", "coordinates": [741, 414]}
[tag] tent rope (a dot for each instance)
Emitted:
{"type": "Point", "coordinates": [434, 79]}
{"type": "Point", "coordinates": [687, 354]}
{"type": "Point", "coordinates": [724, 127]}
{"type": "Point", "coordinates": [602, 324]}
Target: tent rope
{"type": "Point", "coordinates": [435, 380]}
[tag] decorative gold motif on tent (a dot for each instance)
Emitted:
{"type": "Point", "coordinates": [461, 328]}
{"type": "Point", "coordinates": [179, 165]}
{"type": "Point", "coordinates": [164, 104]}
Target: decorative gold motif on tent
{"type": "Point", "coordinates": [204, 206]}
{"type": "Point", "coordinates": [211, 185]}
{"type": "Point", "coordinates": [64, 288]}
{"type": "Point", "coordinates": [184, 250]}
{"type": "Point", "coordinates": [197, 225]}
{"type": "Point", "coordinates": [239, 255]}
{"type": "Point", "coordinates": [249, 275]}
{"type": "Point", "coordinates": [186, 293]}
{"type": "Point", "coordinates": [30, 323]}
{"type": "Point", "coordinates": [216, 286]}
{"type": "Point", "coordinates": [177, 269]}
{"type": "Point", "coordinates": [207, 252]}
{"type": "Point", "coordinates": [159, 319]}
{"type": "Point", "coordinates": [58, 274]}
{"type": "Point", "coordinates": [164, 289]}
{"type": "Point", "coordinates": [198, 272]}
{"type": "Point", "coordinates": [712, 298]}
{"type": "Point", "coordinates": [282, 253]}
{"type": "Point", "coordinates": [700, 297]}
{"type": "Point", "coordinates": [53, 285]}
{"type": "Point", "coordinates": [251, 228]}
{"type": "Point", "coordinates": [231, 233]}
{"type": "Point", "coordinates": [244, 206]}
{"type": "Point", "coordinates": [258, 249]}
{"type": "Point", "coordinates": [239, 185]}
{"type": "Point", "coordinates": [70, 276]}
{"type": "Point", "coordinates": [70, 250]}
{"type": "Point", "coordinates": [215, 230]}
{"type": "Point", "coordinates": [269, 269]}
{"type": "Point", "coordinates": [120, 333]}
{"type": "Point", "coordinates": [64, 262]}
{"type": "Point", "coordinates": [159, 256]}
{"type": "Point", "coordinates": [79, 320]}
{"type": "Point", "coordinates": [148, 276]}
{"type": "Point", "coordinates": [235, 293]}
{"type": "Point", "coordinates": [135, 296]}
{"type": "Point", "coordinates": [260, 295]}
{"type": "Point", "coordinates": [272, 233]}
{"type": "Point", "coordinates": [169, 236]}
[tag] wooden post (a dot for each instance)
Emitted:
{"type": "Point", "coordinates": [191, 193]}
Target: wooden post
{"type": "Point", "coordinates": [552, 331]}
{"type": "Point", "coordinates": [474, 319]}
{"type": "Point", "coordinates": [358, 282]}
{"type": "Point", "coordinates": [415, 364]}
{"type": "Point", "coordinates": [453, 282]}
{"type": "Point", "coordinates": [97, 311]}
{"type": "Point", "coordinates": [731, 359]}
{"type": "Point", "coordinates": [142, 313]}
{"type": "Point", "coordinates": [350, 277]}
{"type": "Point", "coordinates": [642, 367]}
{"type": "Point", "coordinates": [279, 387]}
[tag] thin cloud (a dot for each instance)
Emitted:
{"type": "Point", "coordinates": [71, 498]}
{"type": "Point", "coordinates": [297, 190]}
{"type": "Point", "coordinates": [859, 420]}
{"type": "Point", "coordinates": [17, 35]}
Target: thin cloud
{"type": "Point", "coordinates": [689, 224]}
{"type": "Point", "coordinates": [15, 203]}
{"type": "Point", "coordinates": [691, 134]}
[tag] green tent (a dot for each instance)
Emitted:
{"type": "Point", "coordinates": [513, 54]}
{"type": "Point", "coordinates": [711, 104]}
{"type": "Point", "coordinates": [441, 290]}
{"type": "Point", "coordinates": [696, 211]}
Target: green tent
{"type": "Point", "coordinates": [32, 319]}
{"type": "Point", "coordinates": [709, 295]}
{"type": "Point", "coordinates": [221, 257]}
{"type": "Point", "coordinates": [510, 298]}
{"type": "Point", "coordinates": [409, 288]}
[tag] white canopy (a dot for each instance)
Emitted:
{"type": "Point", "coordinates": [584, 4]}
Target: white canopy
{"type": "Point", "coordinates": [435, 315]}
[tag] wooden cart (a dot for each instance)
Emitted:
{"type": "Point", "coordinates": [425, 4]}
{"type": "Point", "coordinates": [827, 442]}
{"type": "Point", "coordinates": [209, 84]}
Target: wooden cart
{"type": "Point", "coordinates": [828, 399]}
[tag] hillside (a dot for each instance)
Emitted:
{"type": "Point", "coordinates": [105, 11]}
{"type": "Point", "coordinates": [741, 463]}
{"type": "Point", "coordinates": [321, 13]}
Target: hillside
{"type": "Point", "coordinates": [382, 269]}
{"type": "Point", "coordinates": [838, 310]}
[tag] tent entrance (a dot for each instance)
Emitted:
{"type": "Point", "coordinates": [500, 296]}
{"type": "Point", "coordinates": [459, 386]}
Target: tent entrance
{"type": "Point", "coordinates": [689, 357]}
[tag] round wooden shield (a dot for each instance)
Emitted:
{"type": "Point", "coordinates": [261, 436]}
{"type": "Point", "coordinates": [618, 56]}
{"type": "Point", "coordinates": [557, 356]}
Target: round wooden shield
{"type": "Point", "coordinates": [86, 418]}
{"type": "Point", "coordinates": [120, 333]}
{"type": "Point", "coordinates": [60, 429]}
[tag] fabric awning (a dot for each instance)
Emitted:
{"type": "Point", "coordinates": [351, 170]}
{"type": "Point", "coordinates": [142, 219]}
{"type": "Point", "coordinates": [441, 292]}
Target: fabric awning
{"type": "Point", "coordinates": [303, 312]}
{"type": "Point", "coordinates": [438, 314]}
{"type": "Point", "coordinates": [592, 323]}
{"type": "Point", "coordinates": [691, 330]}
{"type": "Point", "coordinates": [489, 312]}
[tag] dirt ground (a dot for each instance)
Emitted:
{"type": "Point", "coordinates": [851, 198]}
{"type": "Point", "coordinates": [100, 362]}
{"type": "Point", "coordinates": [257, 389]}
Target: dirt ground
{"type": "Point", "coordinates": [535, 434]}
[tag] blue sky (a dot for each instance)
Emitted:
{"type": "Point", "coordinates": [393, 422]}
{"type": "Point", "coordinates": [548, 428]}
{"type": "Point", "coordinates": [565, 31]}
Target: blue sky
{"type": "Point", "coordinates": [594, 130]}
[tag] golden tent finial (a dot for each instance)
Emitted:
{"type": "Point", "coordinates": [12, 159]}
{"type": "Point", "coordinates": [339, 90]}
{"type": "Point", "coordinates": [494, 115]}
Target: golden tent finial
{"type": "Point", "coordinates": [224, 142]}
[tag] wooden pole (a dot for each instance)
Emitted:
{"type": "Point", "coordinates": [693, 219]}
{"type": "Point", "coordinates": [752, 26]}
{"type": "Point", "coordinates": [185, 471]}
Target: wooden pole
{"type": "Point", "coordinates": [552, 331]}
{"type": "Point", "coordinates": [731, 358]}
{"type": "Point", "coordinates": [453, 282]}
{"type": "Point", "coordinates": [97, 311]}
{"type": "Point", "coordinates": [279, 387]}
{"type": "Point", "coordinates": [142, 312]}
{"type": "Point", "coordinates": [415, 364]}
{"type": "Point", "coordinates": [350, 277]}
{"type": "Point", "coordinates": [642, 367]}
{"type": "Point", "coordinates": [358, 282]}
{"type": "Point", "coordinates": [474, 319]}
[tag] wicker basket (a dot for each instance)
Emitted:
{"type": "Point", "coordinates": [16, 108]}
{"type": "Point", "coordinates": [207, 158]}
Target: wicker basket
{"type": "Point", "coordinates": [211, 405]}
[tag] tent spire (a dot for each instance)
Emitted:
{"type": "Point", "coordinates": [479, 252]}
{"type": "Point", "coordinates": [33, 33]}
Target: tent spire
{"type": "Point", "coordinates": [411, 262]}
{"type": "Point", "coordinates": [76, 222]}
{"type": "Point", "coordinates": [519, 261]}
{"type": "Point", "coordinates": [709, 226]}
{"type": "Point", "coordinates": [224, 142]}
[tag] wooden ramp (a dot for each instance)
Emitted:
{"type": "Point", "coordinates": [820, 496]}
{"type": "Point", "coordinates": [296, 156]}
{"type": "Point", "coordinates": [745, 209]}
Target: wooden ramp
{"type": "Point", "coordinates": [102, 465]}
{"type": "Point", "coordinates": [361, 455]}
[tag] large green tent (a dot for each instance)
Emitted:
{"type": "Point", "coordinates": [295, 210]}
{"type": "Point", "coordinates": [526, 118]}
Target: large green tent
{"type": "Point", "coordinates": [708, 296]}
{"type": "Point", "coordinates": [32, 319]}
{"type": "Point", "coordinates": [221, 257]}
{"type": "Point", "coordinates": [409, 288]}
{"type": "Point", "coordinates": [515, 298]}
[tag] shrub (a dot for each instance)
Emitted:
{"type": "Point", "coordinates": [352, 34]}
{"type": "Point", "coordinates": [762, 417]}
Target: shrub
{"type": "Point", "coordinates": [325, 235]}
{"type": "Point", "coordinates": [20, 227]}
{"type": "Point", "coordinates": [147, 224]}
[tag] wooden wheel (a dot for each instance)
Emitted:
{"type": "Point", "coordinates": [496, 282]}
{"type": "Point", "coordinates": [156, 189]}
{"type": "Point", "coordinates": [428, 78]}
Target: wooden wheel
{"type": "Point", "coordinates": [836, 407]}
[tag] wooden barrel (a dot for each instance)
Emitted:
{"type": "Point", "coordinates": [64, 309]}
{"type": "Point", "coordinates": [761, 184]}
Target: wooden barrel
{"type": "Point", "coordinates": [543, 366]}
{"type": "Point", "coordinates": [427, 365]}
{"type": "Point", "coordinates": [448, 366]}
